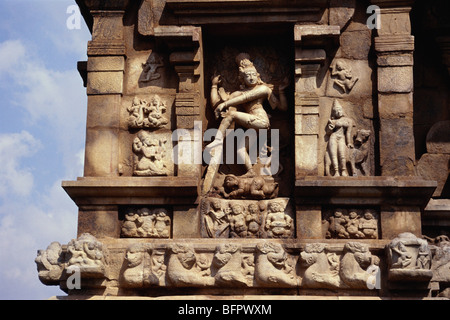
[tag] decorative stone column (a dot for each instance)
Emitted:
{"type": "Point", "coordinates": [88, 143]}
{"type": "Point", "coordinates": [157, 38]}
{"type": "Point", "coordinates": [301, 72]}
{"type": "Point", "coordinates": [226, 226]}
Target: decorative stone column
{"type": "Point", "coordinates": [105, 72]}
{"type": "Point", "coordinates": [309, 57]}
{"type": "Point", "coordinates": [394, 47]}
{"type": "Point", "coordinates": [185, 44]}
{"type": "Point", "coordinates": [186, 58]}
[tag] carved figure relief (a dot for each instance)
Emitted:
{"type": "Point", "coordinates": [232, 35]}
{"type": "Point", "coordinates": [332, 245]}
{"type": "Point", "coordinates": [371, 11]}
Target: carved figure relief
{"type": "Point", "coordinates": [340, 133]}
{"type": "Point", "coordinates": [144, 267]}
{"type": "Point", "coordinates": [351, 224]}
{"type": "Point", "coordinates": [87, 254]}
{"type": "Point", "coordinates": [440, 265]}
{"type": "Point", "coordinates": [147, 223]}
{"type": "Point", "coordinates": [228, 265]}
{"type": "Point", "coordinates": [258, 187]}
{"type": "Point", "coordinates": [273, 266]}
{"type": "Point", "coordinates": [238, 226]}
{"type": "Point", "coordinates": [50, 264]}
{"type": "Point", "coordinates": [278, 223]}
{"type": "Point", "coordinates": [144, 114]}
{"type": "Point", "coordinates": [409, 258]}
{"type": "Point", "coordinates": [134, 275]}
{"type": "Point", "coordinates": [215, 219]}
{"type": "Point", "coordinates": [358, 155]}
{"type": "Point", "coordinates": [186, 268]}
{"type": "Point", "coordinates": [150, 153]}
{"type": "Point", "coordinates": [319, 268]}
{"type": "Point", "coordinates": [244, 108]}
{"type": "Point", "coordinates": [354, 264]}
{"type": "Point", "coordinates": [247, 218]}
{"type": "Point", "coordinates": [149, 68]}
{"type": "Point", "coordinates": [343, 76]}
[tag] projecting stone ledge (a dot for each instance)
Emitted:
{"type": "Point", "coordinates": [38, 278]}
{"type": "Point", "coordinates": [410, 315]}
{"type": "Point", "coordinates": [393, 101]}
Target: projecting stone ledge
{"type": "Point", "coordinates": [131, 190]}
{"type": "Point", "coordinates": [400, 191]}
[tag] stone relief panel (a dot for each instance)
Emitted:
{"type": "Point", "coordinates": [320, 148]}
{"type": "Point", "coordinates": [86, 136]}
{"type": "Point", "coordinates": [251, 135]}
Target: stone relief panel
{"type": "Point", "coordinates": [352, 223]}
{"type": "Point", "coordinates": [318, 267]}
{"type": "Point", "coordinates": [440, 265]}
{"type": "Point", "coordinates": [149, 71]}
{"type": "Point", "coordinates": [152, 154]}
{"type": "Point", "coordinates": [342, 75]}
{"type": "Point", "coordinates": [230, 267]}
{"type": "Point", "coordinates": [354, 263]}
{"type": "Point", "coordinates": [247, 88]}
{"type": "Point", "coordinates": [409, 259]}
{"type": "Point", "coordinates": [147, 223]}
{"type": "Point", "coordinates": [187, 268]}
{"type": "Point", "coordinates": [145, 267]}
{"type": "Point", "coordinates": [221, 218]}
{"type": "Point", "coordinates": [255, 264]}
{"type": "Point", "coordinates": [147, 114]}
{"type": "Point", "coordinates": [349, 79]}
{"type": "Point", "coordinates": [274, 267]}
{"type": "Point", "coordinates": [150, 68]}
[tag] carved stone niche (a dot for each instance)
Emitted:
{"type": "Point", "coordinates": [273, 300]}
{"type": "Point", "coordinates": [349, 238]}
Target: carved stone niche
{"type": "Point", "coordinates": [409, 259]}
{"type": "Point", "coordinates": [351, 223]}
{"type": "Point", "coordinates": [146, 223]}
{"type": "Point", "coordinates": [222, 218]}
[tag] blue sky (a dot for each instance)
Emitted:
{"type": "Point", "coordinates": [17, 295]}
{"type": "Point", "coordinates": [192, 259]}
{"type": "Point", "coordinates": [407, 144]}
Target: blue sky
{"type": "Point", "coordinates": [42, 134]}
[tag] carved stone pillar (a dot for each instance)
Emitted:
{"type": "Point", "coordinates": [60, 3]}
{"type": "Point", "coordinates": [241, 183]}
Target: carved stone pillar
{"type": "Point", "coordinates": [309, 56]}
{"type": "Point", "coordinates": [105, 73]}
{"type": "Point", "coordinates": [394, 47]}
{"type": "Point", "coordinates": [186, 58]}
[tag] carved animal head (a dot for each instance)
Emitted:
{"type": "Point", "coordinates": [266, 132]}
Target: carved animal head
{"type": "Point", "coordinates": [134, 255]}
{"type": "Point", "coordinates": [362, 136]}
{"type": "Point", "coordinates": [185, 254]}
{"type": "Point", "coordinates": [309, 256]}
{"type": "Point", "coordinates": [360, 252]}
{"type": "Point", "coordinates": [224, 253]}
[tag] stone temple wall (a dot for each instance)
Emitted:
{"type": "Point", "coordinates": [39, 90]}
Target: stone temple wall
{"type": "Point", "coordinates": [283, 148]}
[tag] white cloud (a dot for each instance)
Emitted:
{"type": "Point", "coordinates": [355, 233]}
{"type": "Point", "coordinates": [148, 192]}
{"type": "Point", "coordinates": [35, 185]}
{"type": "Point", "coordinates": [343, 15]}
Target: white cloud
{"type": "Point", "coordinates": [16, 180]}
{"type": "Point", "coordinates": [34, 211]}
{"type": "Point", "coordinates": [11, 53]}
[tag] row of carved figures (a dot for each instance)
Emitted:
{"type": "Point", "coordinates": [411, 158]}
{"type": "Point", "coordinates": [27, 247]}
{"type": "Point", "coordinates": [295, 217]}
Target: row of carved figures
{"type": "Point", "coordinates": [247, 219]}
{"type": "Point", "coordinates": [267, 264]}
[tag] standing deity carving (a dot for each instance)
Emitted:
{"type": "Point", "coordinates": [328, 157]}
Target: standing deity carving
{"type": "Point", "coordinates": [339, 130]}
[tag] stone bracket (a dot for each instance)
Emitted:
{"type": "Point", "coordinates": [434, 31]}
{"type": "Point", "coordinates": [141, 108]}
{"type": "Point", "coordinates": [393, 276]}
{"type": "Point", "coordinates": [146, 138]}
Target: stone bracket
{"type": "Point", "coordinates": [132, 190]}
